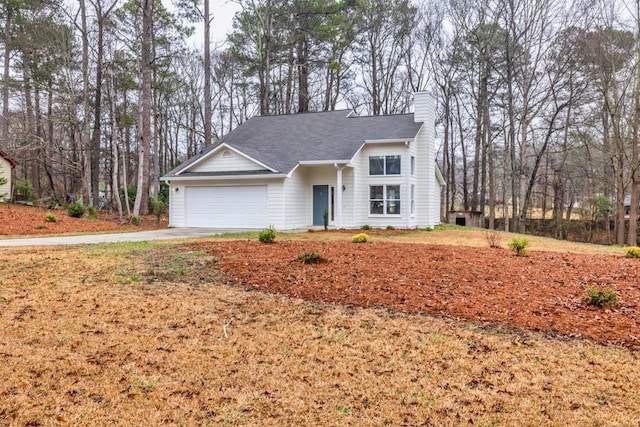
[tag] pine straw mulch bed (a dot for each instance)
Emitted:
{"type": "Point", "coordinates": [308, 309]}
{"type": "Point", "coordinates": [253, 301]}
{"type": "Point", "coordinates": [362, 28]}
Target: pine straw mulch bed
{"type": "Point", "coordinates": [543, 291]}
{"type": "Point", "coordinates": [148, 334]}
{"type": "Point", "coordinates": [21, 220]}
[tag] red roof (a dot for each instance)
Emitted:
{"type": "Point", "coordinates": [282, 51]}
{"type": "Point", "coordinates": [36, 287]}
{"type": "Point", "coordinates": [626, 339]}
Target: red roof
{"type": "Point", "coordinates": [9, 158]}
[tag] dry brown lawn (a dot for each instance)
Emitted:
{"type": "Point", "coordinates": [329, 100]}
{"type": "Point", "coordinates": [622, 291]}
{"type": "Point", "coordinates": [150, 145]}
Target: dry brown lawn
{"type": "Point", "coordinates": [150, 334]}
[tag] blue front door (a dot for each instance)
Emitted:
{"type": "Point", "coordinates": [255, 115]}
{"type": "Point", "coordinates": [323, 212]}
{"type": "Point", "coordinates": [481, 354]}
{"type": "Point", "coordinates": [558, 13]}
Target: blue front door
{"type": "Point", "coordinates": [320, 203]}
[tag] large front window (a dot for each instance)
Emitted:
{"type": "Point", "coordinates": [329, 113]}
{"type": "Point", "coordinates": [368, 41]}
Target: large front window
{"type": "Point", "coordinates": [384, 165]}
{"type": "Point", "coordinates": [384, 199]}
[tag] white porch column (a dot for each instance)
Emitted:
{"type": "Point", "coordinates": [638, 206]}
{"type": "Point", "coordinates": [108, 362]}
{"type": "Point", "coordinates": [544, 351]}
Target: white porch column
{"type": "Point", "coordinates": [338, 205]}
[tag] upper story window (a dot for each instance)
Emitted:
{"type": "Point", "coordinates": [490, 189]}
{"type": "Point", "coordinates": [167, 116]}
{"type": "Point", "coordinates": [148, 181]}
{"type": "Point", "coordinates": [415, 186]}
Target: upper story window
{"type": "Point", "coordinates": [413, 165]}
{"type": "Point", "coordinates": [384, 165]}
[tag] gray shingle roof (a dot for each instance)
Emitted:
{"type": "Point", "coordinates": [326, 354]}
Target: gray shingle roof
{"type": "Point", "coordinates": [281, 142]}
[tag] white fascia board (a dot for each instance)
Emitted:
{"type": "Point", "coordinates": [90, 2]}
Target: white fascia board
{"type": "Point", "coordinates": [357, 153]}
{"type": "Point", "coordinates": [228, 147]}
{"type": "Point", "coordinates": [323, 162]}
{"type": "Point", "coordinates": [388, 141]}
{"type": "Point", "coordinates": [223, 177]}
{"type": "Point", "coordinates": [290, 174]}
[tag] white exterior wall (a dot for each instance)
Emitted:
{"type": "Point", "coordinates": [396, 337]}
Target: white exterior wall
{"type": "Point", "coordinates": [298, 195]}
{"type": "Point", "coordinates": [348, 206]}
{"type": "Point", "coordinates": [290, 200]}
{"type": "Point", "coordinates": [5, 172]}
{"type": "Point", "coordinates": [177, 205]}
{"type": "Point", "coordinates": [423, 106]}
{"type": "Point", "coordinates": [362, 181]}
{"type": "Point", "coordinates": [428, 192]}
{"type": "Point", "coordinates": [225, 160]}
{"type": "Point", "coordinates": [275, 204]}
{"type": "Point", "coordinates": [435, 208]}
{"type": "Point", "coordinates": [177, 202]}
{"type": "Point", "coordinates": [294, 201]}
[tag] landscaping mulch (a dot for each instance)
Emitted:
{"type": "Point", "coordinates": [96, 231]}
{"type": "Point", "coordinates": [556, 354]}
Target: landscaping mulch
{"type": "Point", "coordinates": [24, 220]}
{"type": "Point", "coordinates": [545, 291]}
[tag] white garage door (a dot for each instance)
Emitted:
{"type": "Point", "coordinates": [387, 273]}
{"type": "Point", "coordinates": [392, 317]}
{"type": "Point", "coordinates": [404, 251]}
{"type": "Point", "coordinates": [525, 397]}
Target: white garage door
{"type": "Point", "coordinates": [227, 207]}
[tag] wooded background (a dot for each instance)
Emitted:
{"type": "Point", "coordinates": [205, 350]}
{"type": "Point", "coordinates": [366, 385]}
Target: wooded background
{"type": "Point", "coordinates": [538, 101]}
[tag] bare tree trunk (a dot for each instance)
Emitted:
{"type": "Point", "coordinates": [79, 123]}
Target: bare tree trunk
{"type": "Point", "coordinates": [38, 137]}
{"type": "Point", "coordinates": [374, 74]}
{"type": "Point", "coordinates": [289, 90]}
{"type": "Point", "coordinates": [141, 205]}
{"type": "Point", "coordinates": [265, 71]}
{"type": "Point", "coordinates": [84, 131]}
{"type": "Point", "coordinates": [207, 75]}
{"type": "Point", "coordinates": [505, 185]}
{"type": "Point", "coordinates": [632, 237]}
{"type": "Point", "coordinates": [115, 165]}
{"type": "Point", "coordinates": [479, 138]}
{"type": "Point", "coordinates": [4, 139]}
{"type": "Point", "coordinates": [125, 182]}
{"type": "Point", "coordinates": [97, 104]}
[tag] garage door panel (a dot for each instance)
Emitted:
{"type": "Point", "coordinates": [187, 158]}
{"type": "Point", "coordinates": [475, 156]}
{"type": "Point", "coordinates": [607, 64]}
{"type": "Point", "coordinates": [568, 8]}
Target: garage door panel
{"type": "Point", "coordinates": [227, 206]}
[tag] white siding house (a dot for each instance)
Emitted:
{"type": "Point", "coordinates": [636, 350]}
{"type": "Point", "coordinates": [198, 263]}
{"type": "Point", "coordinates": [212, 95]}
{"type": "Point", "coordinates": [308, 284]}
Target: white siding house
{"type": "Point", "coordinates": [291, 171]}
{"type": "Point", "coordinates": [6, 171]}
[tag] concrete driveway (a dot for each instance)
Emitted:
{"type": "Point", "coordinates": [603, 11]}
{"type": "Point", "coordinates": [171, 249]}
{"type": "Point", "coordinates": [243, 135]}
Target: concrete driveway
{"type": "Point", "coordinates": [137, 236]}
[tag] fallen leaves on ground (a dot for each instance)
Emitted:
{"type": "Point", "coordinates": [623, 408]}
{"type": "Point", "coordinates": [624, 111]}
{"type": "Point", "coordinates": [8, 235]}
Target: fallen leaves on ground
{"type": "Point", "coordinates": [22, 220]}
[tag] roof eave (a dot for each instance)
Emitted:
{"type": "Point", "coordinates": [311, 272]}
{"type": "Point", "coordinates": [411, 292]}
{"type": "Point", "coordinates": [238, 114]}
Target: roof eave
{"type": "Point", "coordinates": [10, 159]}
{"type": "Point", "coordinates": [389, 141]}
{"type": "Point", "coordinates": [324, 162]}
{"type": "Point", "coordinates": [181, 178]}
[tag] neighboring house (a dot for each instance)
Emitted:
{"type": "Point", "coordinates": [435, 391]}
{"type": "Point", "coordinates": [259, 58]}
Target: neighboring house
{"type": "Point", "coordinates": [7, 163]}
{"type": "Point", "coordinates": [286, 171]}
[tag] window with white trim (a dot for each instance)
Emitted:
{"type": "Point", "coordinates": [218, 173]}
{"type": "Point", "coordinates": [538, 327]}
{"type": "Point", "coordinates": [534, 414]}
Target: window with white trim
{"type": "Point", "coordinates": [413, 200]}
{"type": "Point", "coordinates": [384, 165]}
{"type": "Point", "coordinates": [384, 199]}
{"type": "Point", "coordinates": [413, 165]}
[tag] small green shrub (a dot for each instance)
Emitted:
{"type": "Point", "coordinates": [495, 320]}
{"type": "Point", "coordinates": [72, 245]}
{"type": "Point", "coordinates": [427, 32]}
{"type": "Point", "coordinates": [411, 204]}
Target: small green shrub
{"type": "Point", "coordinates": [360, 238]}
{"type": "Point", "coordinates": [632, 252]}
{"type": "Point", "coordinates": [268, 235]}
{"type": "Point", "coordinates": [158, 207]}
{"type": "Point", "coordinates": [76, 210]}
{"type": "Point", "coordinates": [136, 220]}
{"type": "Point", "coordinates": [390, 227]}
{"type": "Point", "coordinates": [311, 258]}
{"type": "Point", "coordinates": [602, 298]}
{"type": "Point", "coordinates": [325, 219]}
{"type": "Point", "coordinates": [519, 246]}
{"type": "Point", "coordinates": [428, 229]}
{"type": "Point", "coordinates": [93, 214]}
{"type": "Point", "coordinates": [51, 218]}
{"type": "Point", "coordinates": [365, 227]}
